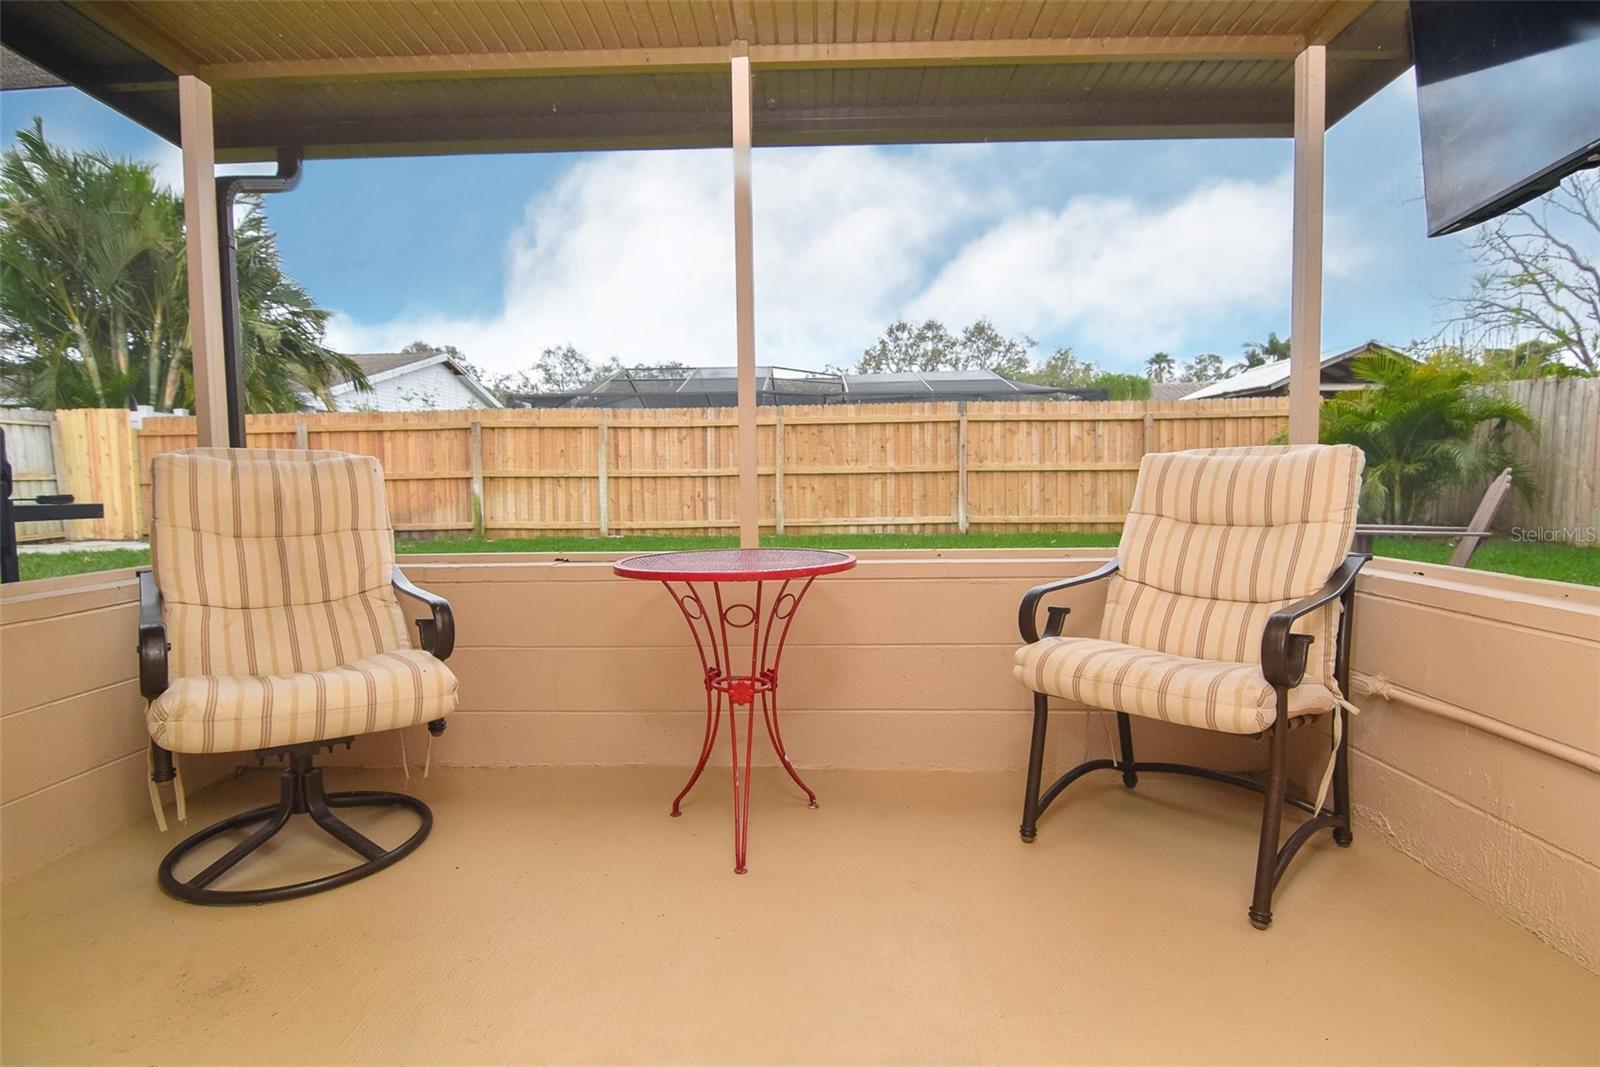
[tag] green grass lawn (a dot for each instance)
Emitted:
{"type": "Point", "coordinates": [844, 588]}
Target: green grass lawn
{"type": "Point", "coordinates": [1561, 563]}
{"type": "Point", "coordinates": [34, 565]}
{"type": "Point", "coordinates": [1557, 563]}
{"type": "Point", "coordinates": [839, 541]}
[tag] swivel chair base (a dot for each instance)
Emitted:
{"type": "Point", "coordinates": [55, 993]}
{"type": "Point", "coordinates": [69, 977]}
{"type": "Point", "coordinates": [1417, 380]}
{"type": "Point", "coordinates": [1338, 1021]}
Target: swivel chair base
{"type": "Point", "coordinates": [301, 793]}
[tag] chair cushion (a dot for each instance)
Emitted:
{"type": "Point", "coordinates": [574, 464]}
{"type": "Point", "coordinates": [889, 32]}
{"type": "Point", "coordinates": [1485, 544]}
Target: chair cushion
{"type": "Point", "coordinates": [1218, 539]}
{"type": "Point", "coordinates": [1230, 697]}
{"type": "Point", "coordinates": [233, 713]}
{"type": "Point", "coordinates": [272, 561]}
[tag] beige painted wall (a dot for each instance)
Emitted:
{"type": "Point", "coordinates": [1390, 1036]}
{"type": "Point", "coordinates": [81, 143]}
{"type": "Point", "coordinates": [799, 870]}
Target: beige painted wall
{"type": "Point", "coordinates": [901, 663]}
{"type": "Point", "coordinates": [72, 736]}
{"type": "Point", "coordinates": [1517, 829]}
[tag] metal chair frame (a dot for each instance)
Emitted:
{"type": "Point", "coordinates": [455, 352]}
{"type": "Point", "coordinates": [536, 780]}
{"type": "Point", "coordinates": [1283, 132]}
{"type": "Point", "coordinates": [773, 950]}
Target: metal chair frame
{"type": "Point", "coordinates": [1283, 662]}
{"type": "Point", "coordinates": [300, 785]}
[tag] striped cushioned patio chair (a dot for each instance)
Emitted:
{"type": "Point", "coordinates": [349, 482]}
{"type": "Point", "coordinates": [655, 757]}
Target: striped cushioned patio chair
{"type": "Point", "coordinates": [269, 623]}
{"type": "Point", "coordinates": [1228, 609]}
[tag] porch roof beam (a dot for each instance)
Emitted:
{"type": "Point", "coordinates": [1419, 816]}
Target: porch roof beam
{"type": "Point", "coordinates": [769, 57]}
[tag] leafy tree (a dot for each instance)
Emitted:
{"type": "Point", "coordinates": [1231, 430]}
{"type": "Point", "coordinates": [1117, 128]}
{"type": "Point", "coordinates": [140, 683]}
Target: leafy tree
{"type": "Point", "coordinates": [1159, 367]}
{"type": "Point", "coordinates": [1122, 386]}
{"type": "Point", "coordinates": [562, 368]}
{"type": "Point", "coordinates": [1540, 274]}
{"type": "Point", "coordinates": [1423, 427]}
{"type": "Point", "coordinates": [559, 369]}
{"type": "Point", "coordinates": [1206, 367]}
{"type": "Point", "coordinates": [94, 294]}
{"type": "Point", "coordinates": [426, 348]}
{"type": "Point", "coordinates": [931, 346]}
{"type": "Point", "coordinates": [1260, 353]}
{"type": "Point", "coordinates": [1062, 369]}
{"type": "Point", "coordinates": [1527, 359]}
{"type": "Point", "coordinates": [982, 347]}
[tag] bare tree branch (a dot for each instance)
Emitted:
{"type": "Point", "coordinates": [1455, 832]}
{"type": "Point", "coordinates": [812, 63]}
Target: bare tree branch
{"type": "Point", "coordinates": [1539, 276]}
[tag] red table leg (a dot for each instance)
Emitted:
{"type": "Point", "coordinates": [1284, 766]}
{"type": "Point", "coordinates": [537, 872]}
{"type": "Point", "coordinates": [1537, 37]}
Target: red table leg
{"type": "Point", "coordinates": [711, 631]}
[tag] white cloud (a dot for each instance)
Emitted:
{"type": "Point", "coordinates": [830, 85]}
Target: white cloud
{"type": "Point", "coordinates": [630, 255]}
{"type": "Point", "coordinates": [1127, 276]}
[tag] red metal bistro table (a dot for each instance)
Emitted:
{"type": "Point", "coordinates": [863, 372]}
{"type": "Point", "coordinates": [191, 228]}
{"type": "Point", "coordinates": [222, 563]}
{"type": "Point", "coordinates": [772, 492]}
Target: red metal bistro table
{"type": "Point", "coordinates": [749, 605]}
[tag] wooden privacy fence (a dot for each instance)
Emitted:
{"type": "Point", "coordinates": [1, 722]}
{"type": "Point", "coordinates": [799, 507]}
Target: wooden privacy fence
{"type": "Point", "coordinates": [87, 452]}
{"type": "Point", "coordinates": [1564, 462]}
{"type": "Point", "coordinates": [867, 468]}
{"type": "Point", "coordinates": [862, 468]}
{"type": "Point", "coordinates": [31, 451]}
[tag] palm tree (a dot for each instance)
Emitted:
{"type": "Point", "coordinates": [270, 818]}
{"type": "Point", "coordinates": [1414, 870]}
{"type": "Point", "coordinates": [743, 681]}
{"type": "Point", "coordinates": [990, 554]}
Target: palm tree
{"type": "Point", "coordinates": [1160, 367]}
{"type": "Point", "coordinates": [94, 294]}
{"type": "Point", "coordinates": [1423, 427]}
{"type": "Point", "coordinates": [1259, 353]}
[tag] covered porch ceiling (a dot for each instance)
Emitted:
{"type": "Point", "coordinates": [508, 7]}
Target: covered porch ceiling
{"type": "Point", "coordinates": [409, 77]}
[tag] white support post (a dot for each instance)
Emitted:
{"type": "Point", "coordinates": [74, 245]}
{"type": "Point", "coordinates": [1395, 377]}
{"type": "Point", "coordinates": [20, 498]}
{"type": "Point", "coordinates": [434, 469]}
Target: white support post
{"type": "Point", "coordinates": [204, 260]}
{"type": "Point", "coordinates": [1305, 309]}
{"type": "Point", "coordinates": [744, 298]}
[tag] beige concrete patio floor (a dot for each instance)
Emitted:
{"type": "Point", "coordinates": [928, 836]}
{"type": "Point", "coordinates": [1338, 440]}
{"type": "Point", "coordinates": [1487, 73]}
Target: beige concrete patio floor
{"type": "Point", "coordinates": [558, 915]}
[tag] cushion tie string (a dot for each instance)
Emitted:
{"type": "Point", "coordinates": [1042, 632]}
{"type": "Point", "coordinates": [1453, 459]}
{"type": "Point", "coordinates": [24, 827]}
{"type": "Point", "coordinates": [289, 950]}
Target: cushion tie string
{"type": "Point", "coordinates": [405, 764]}
{"type": "Point", "coordinates": [1333, 760]}
{"type": "Point", "coordinates": [156, 805]}
{"type": "Point", "coordinates": [427, 763]}
{"type": "Point", "coordinates": [178, 793]}
{"type": "Point", "coordinates": [155, 790]}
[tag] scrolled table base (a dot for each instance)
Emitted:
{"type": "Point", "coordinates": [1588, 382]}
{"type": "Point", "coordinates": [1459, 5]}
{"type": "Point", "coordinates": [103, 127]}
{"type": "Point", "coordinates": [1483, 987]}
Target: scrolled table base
{"type": "Point", "coordinates": [712, 627]}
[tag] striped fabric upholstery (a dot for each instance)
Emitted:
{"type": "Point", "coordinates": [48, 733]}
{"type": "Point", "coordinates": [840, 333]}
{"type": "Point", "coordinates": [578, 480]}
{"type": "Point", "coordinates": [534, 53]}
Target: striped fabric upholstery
{"type": "Point", "coordinates": [1215, 541]}
{"type": "Point", "coordinates": [275, 568]}
{"type": "Point", "coordinates": [1213, 694]}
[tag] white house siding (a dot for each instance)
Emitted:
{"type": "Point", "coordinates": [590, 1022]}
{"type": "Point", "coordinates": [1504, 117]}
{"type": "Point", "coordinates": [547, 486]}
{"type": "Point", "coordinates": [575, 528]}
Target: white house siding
{"type": "Point", "coordinates": [432, 388]}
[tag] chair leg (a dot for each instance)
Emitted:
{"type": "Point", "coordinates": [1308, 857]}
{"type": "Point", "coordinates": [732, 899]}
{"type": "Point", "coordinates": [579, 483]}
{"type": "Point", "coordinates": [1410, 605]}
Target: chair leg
{"type": "Point", "coordinates": [1030, 798]}
{"type": "Point", "coordinates": [1271, 818]}
{"type": "Point", "coordinates": [1130, 777]}
{"type": "Point", "coordinates": [1342, 835]}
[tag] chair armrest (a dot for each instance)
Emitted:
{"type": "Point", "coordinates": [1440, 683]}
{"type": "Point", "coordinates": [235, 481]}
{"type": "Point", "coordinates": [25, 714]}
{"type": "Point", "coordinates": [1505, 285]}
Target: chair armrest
{"type": "Point", "coordinates": [438, 634]}
{"type": "Point", "coordinates": [1283, 654]}
{"type": "Point", "coordinates": [153, 646]}
{"type": "Point", "coordinates": [1028, 611]}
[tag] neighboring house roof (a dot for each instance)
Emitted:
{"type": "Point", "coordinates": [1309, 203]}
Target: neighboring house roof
{"type": "Point", "coordinates": [1273, 378]}
{"type": "Point", "coordinates": [1172, 390]}
{"type": "Point", "coordinates": [382, 366]}
{"type": "Point", "coordinates": [680, 387]}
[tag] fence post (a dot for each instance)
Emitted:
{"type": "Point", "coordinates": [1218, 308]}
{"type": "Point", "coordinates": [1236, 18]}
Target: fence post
{"type": "Point", "coordinates": [777, 470]}
{"type": "Point", "coordinates": [302, 435]}
{"type": "Point", "coordinates": [475, 457]}
{"type": "Point", "coordinates": [1149, 432]}
{"type": "Point", "coordinates": [135, 523]}
{"type": "Point", "coordinates": [603, 460]}
{"type": "Point", "coordinates": [961, 467]}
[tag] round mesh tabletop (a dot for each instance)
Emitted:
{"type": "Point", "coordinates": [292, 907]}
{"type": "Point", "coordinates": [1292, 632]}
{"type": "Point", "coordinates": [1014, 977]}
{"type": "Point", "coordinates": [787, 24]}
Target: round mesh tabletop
{"type": "Point", "coordinates": [733, 564]}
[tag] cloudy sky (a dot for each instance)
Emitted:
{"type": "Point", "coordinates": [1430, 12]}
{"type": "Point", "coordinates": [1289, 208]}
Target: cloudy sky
{"type": "Point", "coordinates": [1118, 249]}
